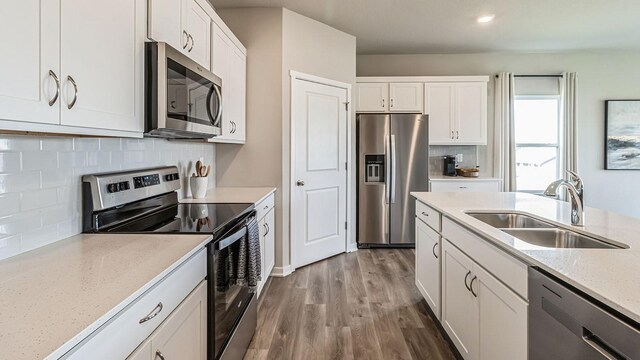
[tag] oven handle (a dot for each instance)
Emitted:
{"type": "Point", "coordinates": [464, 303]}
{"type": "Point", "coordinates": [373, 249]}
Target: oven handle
{"type": "Point", "coordinates": [226, 242]}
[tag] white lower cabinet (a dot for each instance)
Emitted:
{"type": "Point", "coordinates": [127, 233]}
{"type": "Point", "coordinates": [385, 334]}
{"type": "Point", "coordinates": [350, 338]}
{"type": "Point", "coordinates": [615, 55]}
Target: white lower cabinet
{"type": "Point", "coordinates": [428, 265]}
{"type": "Point", "coordinates": [485, 319]}
{"type": "Point", "coordinates": [266, 221]}
{"type": "Point", "coordinates": [459, 306]}
{"type": "Point", "coordinates": [183, 335]}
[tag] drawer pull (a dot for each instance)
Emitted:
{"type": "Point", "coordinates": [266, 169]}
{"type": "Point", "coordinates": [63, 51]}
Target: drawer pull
{"type": "Point", "coordinates": [462, 187]}
{"type": "Point", "coordinates": [152, 314]}
{"type": "Point", "coordinates": [266, 207]}
{"type": "Point", "coordinates": [159, 355]}
{"type": "Point", "coordinates": [425, 214]}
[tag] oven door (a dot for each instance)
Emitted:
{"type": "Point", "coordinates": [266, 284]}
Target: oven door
{"type": "Point", "coordinates": [184, 99]}
{"type": "Point", "coordinates": [228, 300]}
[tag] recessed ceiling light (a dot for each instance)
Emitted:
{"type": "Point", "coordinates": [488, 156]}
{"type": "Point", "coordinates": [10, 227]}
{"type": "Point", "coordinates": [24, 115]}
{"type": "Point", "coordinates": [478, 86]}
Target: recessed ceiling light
{"type": "Point", "coordinates": [485, 18]}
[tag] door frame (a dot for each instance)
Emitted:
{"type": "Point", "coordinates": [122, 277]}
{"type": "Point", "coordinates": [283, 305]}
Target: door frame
{"type": "Point", "coordinates": [295, 75]}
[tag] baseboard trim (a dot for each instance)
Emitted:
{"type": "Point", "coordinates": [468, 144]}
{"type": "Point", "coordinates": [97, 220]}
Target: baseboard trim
{"type": "Point", "coordinates": [282, 271]}
{"type": "Point", "coordinates": [352, 247]}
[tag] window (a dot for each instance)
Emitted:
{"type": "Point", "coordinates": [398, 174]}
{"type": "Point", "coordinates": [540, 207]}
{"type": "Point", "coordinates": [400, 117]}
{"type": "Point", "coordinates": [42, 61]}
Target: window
{"type": "Point", "coordinates": [537, 134]}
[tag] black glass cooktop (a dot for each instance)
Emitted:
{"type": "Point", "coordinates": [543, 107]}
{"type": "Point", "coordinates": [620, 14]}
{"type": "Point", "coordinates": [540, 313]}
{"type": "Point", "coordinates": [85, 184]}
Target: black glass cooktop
{"type": "Point", "coordinates": [187, 219]}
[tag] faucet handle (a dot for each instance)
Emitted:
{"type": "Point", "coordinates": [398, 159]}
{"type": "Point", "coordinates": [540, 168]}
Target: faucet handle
{"type": "Point", "coordinates": [576, 180]}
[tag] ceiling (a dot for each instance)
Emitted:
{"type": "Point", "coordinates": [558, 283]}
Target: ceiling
{"type": "Point", "coordinates": [449, 26]}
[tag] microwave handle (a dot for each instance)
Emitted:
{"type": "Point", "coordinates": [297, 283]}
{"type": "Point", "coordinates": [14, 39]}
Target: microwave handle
{"type": "Point", "coordinates": [215, 120]}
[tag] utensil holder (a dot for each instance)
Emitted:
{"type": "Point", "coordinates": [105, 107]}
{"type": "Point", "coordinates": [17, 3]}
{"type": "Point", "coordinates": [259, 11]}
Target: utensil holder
{"type": "Point", "coordinates": [198, 186]}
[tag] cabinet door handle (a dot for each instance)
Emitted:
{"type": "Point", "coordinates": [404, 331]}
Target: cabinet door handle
{"type": "Point", "coordinates": [391, 102]}
{"type": "Point", "coordinates": [383, 103]}
{"type": "Point", "coordinates": [425, 214]}
{"type": "Point", "coordinates": [457, 134]}
{"type": "Point", "coordinates": [192, 42]}
{"type": "Point", "coordinates": [471, 286]}
{"type": "Point", "coordinates": [159, 355]}
{"type": "Point", "coordinates": [186, 41]}
{"type": "Point", "coordinates": [452, 137]}
{"type": "Point", "coordinates": [465, 280]}
{"type": "Point", "coordinates": [55, 97]}
{"type": "Point", "coordinates": [152, 314]}
{"type": "Point", "coordinates": [433, 250]}
{"type": "Point", "coordinates": [75, 92]}
{"type": "Point", "coordinates": [267, 229]}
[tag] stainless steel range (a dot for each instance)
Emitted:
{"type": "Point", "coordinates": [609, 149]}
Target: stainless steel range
{"type": "Point", "coordinates": [146, 201]}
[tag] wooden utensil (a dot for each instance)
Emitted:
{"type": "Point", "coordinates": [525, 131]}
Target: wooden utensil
{"type": "Point", "coordinates": [208, 170]}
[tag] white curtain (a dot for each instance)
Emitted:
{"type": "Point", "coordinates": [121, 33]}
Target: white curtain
{"type": "Point", "coordinates": [504, 154]}
{"type": "Point", "coordinates": [570, 118]}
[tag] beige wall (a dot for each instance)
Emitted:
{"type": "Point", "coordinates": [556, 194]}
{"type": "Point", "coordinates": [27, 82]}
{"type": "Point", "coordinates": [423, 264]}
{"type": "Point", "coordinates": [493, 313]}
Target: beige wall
{"type": "Point", "coordinates": [259, 161]}
{"type": "Point", "coordinates": [601, 76]}
{"type": "Point", "coordinates": [277, 41]}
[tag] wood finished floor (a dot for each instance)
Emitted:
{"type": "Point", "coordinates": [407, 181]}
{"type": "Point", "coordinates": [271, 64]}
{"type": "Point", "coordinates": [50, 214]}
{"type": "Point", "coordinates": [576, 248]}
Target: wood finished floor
{"type": "Point", "coordinates": [361, 305]}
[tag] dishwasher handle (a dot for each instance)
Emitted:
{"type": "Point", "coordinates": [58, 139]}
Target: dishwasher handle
{"type": "Point", "coordinates": [600, 346]}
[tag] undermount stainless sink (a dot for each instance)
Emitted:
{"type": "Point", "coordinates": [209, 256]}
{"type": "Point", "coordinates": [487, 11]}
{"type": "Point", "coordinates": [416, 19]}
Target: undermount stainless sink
{"type": "Point", "coordinates": [539, 232]}
{"type": "Point", "coordinates": [510, 220]}
{"type": "Point", "coordinates": [558, 238]}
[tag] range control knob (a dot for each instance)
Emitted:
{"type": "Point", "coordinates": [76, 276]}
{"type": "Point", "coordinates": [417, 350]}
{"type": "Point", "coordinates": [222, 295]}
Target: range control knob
{"type": "Point", "coordinates": [113, 188]}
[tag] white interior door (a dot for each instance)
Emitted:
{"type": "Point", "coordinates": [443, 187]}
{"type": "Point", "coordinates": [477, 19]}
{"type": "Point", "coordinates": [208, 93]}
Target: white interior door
{"type": "Point", "coordinates": [319, 155]}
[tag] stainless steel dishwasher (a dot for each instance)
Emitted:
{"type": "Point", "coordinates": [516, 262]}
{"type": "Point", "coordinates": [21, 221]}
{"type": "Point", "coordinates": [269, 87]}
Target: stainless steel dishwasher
{"type": "Point", "coordinates": [564, 324]}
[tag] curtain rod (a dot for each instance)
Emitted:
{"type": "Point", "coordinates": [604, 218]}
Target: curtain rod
{"type": "Point", "coordinates": [536, 76]}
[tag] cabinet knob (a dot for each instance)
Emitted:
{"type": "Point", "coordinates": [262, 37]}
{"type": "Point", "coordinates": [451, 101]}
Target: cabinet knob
{"type": "Point", "coordinates": [300, 183]}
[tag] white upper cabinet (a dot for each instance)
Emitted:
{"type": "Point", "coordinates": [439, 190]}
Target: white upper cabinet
{"type": "Point", "coordinates": [73, 62]}
{"type": "Point", "coordinates": [230, 63]}
{"type": "Point", "coordinates": [373, 97]}
{"type": "Point", "coordinates": [457, 112]}
{"type": "Point", "coordinates": [30, 38]}
{"type": "Point", "coordinates": [198, 28]}
{"type": "Point", "coordinates": [438, 104]}
{"type": "Point", "coordinates": [470, 119]}
{"type": "Point", "coordinates": [405, 97]}
{"type": "Point", "coordinates": [184, 25]}
{"type": "Point", "coordinates": [389, 97]}
{"type": "Point", "coordinates": [102, 63]}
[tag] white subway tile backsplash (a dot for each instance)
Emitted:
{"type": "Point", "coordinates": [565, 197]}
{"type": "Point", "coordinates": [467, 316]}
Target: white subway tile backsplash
{"type": "Point", "coordinates": [40, 180]}
{"type": "Point", "coordinates": [14, 143]}
{"type": "Point", "coordinates": [38, 199]}
{"type": "Point", "coordinates": [9, 162]}
{"type": "Point", "coordinates": [9, 204]}
{"type": "Point", "coordinates": [39, 160]}
{"type": "Point", "coordinates": [57, 144]}
{"type": "Point", "coordinates": [19, 181]}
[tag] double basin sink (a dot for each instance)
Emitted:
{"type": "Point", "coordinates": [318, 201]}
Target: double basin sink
{"type": "Point", "coordinates": [540, 233]}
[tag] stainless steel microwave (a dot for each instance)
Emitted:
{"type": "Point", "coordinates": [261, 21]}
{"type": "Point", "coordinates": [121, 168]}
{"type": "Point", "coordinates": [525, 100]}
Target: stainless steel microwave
{"type": "Point", "coordinates": [183, 100]}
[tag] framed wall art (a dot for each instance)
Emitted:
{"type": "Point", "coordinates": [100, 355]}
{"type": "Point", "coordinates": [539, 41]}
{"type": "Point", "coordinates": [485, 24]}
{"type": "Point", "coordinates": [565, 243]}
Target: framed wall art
{"type": "Point", "coordinates": [622, 135]}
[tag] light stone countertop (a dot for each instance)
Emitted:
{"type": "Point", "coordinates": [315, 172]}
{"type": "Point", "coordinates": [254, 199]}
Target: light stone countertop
{"type": "Point", "coordinates": [53, 297]}
{"type": "Point", "coordinates": [608, 275]}
{"type": "Point", "coordinates": [233, 195]}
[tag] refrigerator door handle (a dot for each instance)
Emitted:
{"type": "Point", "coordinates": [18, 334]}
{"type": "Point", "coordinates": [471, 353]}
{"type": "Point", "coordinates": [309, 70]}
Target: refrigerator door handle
{"type": "Point", "coordinates": [393, 169]}
{"type": "Point", "coordinates": [387, 170]}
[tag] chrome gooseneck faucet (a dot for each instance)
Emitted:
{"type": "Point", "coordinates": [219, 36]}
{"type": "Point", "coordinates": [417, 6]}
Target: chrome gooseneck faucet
{"type": "Point", "coordinates": [575, 186]}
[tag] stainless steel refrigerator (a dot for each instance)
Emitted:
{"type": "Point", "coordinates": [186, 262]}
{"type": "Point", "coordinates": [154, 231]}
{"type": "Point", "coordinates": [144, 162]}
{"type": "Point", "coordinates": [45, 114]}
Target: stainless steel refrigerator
{"type": "Point", "coordinates": [393, 160]}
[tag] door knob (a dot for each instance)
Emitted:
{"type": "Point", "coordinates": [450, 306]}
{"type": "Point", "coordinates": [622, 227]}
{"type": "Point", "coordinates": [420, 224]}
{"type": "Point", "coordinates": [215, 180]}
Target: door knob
{"type": "Point", "coordinates": [300, 183]}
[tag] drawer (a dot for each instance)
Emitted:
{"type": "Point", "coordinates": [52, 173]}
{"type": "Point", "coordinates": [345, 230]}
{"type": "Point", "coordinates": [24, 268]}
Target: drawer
{"type": "Point", "coordinates": [123, 333]}
{"type": "Point", "coordinates": [509, 270]}
{"type": "Point", "coordinates": [430, 216]}
{"type": "Point", "coordinates": [465, 186]}
{"type": "Point", "coordinates": [264, 206]}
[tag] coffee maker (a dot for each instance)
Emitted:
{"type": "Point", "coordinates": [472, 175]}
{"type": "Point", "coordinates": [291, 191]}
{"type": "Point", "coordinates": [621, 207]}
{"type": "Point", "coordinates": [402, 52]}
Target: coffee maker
{"type": "Point", "coordinates": [449, 168]}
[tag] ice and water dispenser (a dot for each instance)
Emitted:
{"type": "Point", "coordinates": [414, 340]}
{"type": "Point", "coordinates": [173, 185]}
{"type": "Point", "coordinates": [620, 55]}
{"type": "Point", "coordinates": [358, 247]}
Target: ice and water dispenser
{"type": "Point", "coordinates": [374, 169]}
